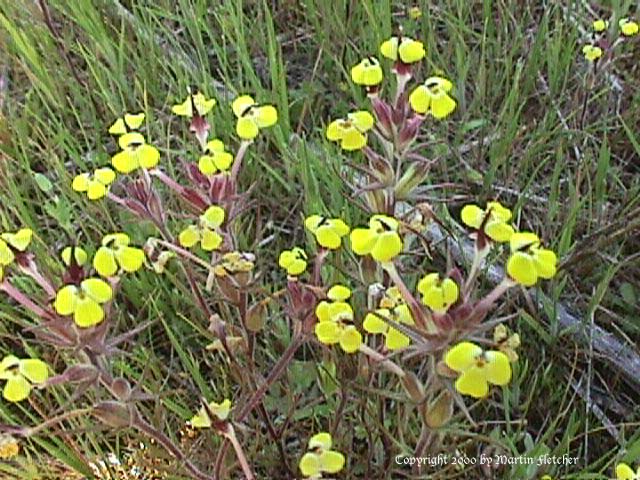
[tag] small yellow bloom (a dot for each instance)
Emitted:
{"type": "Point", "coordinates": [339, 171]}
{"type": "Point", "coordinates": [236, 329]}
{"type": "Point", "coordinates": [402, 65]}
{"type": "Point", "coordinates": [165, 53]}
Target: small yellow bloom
{"type": "Point", "coordinates": [135, 153]}
{"type": "Point", "coordinates": [11, 243]}
{"type": "Point", "coordinates": [628, 28]}
{"type": "Point", "coordinates": [381, 240]}
{"type": "Point", "coordinates": [206, 232]}
{"type": "Point", "coordinates": [600, 25]}
{"type": "Point", "coordinates": [94, 185]}
{"type": "Point", "coordinates": [115, 253]}
{"type": "Point", "coordinates": [351, 132]}
{"type": "Point", "coordinates": [335, 321]}
{"type": "Point", "coordinates": [438, 294]}
{"type": "Point", "coordinates": [127, 123]}
{"type": "Point", "coordinates": [20, 376]}
{"type": "Point", "coordinates": [407, 50]}
{"type": "Point", "coordinates": [528, 261]}
{"type": "Point", "coordinates": [252, 117]}
{"type": "Point", "coordinates": [294, 261]}
{"type": "Point", "coordinates": [215, 158]}
{"type": "Point", "coordinates": [328, 231]}
{"type": "Point", "coordinates": [79, 255]}
{"type": "Point", "coordinates": [84, 302]}
{"type": "Point", "coordinates": [9, 447]}
{"type": "Point", "coordinates": [367, 73]}
{"type": "Point", "coordinates": [220, 410]}
{"type": "Point", "coordinates": [197, 102]}
{"type": "Point", "coordinates": [433, 97]}
{"type": "Point", "coordinates": [592, 52]}
{"type": "Point", "coordinates": [494, 217]}
{"type": "Point", "coordinates": [506, 342]}
{"type": "Point", "coordinates": [477, 368]}
{"type": "Point", "coordinates": [415, 13]}
{"type": "Point", "coordinates": [234, 262]}
{"type": "Point", "coordinates": [625, 472]}
{"type": "Point", "coordinates": [321, 459]}
{"type": "Point", "coordinates": [394, 340]}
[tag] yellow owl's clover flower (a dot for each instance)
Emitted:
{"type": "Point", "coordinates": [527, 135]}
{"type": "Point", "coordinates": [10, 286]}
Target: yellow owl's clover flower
{"type": "Point", "coordinates": [294, 261]}
{"type": "Point", "coordinates": [220, 410]}
{"type": "Point", "coordinates": [115, 253]}
{"type": "Point", "coordinates": [351, 131]}
{"type": "Point", "coordinates": [252, 117]}
{"type": "Point", "coordinates": [477, 368]}
{"type": "Point", "coordinates": [492, 221]}
{"type": "Point", "coordinates": [404, 51]}
{"type": "Point", "coordinates": [12, 243]}
{"type": "Point", "coordinates": [625, 472]}
{"type": "Point", "coordinates": [135, 152]}
{"type": "Point", "coordinates": [335, 321]}
{"type": "Point", "coordinates": [438, 294]}
{"type": "Point", "coordinates": [321, 459]}
{"type": "Point", "coordinates": [381, 240]}
{"type": "Point", "coordinates": [592, 52]}
{"type": "Point", "coordinates": [84, 302]}
{"type": "Point", "coordinates": [95, 185]}
{"type": "Point", "coordinates": [628, 27]}
{"type": "Point", "coordinates": [194, 104]}
{"type": "Point", "coordinates": [600, 25]}
{"type": "Point", "coordinates": [328, 231]}
{"type": "Point", "coordinates": [21, 375]}
{"type": "Point", "coordinates": [529, 261]}
{"type": "Point", "coordinates": [215, 159]}
{"type": "Point", "coordinates": [432, 97]}
{"type": "Point", "coordinates": [392, 307]}
{"type": "Point", "coordinates": [367, 73]}
{"type": "Point", "coordinates": [206, 232]}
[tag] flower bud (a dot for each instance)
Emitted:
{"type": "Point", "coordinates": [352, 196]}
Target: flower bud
{"type": "Point", "coordinates": [383, 112]}
{"type": "Point", "coordinates": [121, 389]}
{"type": "Point", "coordinates": [413, 387]}
{"type": "Point", "coordinates": [439, 412]}
{"type": "Point", "coordinates": [115, 414]}
{"type": "Point", "coordinates": [409, 132]}
{"type": "Point", "coordinates": [256, 316]}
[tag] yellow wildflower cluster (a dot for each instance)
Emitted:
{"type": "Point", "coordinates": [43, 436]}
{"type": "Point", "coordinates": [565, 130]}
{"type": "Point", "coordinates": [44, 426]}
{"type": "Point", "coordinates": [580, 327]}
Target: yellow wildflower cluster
{"type": "Point", "coordinates": [438, 293]}
{"type": "Point", "coordinates": [321, 458]}
{"type": "Point", "coordinates": [335, 320]}
{"type": "Point", "coordinates": [327, 231]}
{"type": "Point", "coordinates": [135, 152]}
{"type": "Point", "coordinates": [381, 240]}
{"type": "Point", "coordinates": [392, 309]}
{"type": "Point", "coordinates": [115, 254]}
{"type": "Point", "coordinates": [294, 261]}
{"type": "Point", "coordinates": [206, 232]}
{"type": "Point", "coordinates": [215, 159]}
{"type": "Point", "coordinates": [96, 184]}
{"type": "Point", "coordinates": [252, 117]}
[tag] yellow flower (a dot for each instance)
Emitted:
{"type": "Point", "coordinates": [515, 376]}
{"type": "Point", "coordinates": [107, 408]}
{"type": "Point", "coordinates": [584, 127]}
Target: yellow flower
{"type": "Point", "coordinates": [215, 159]}
{"type": "Point", "coordinates": [95, 185]}
{"type": "Point", "coordinates": [135, 153]}
{"type": "Point", "coordinates": [628, 27]}
{"type": "Point", "coordinates": [9, 447]}
{"type": "Point", "coordinates": [79, 255]}
{"type": "Point", "coordinates": [20, 376]}
{"type": "Point", "coordinates": [127, 123]}
{"type": "Point", "coordinates": [494, 218]}
{"type": "Point", "coordinates": [368, 72]}
{"type": "Point", "coordinates": [407, 50]}
{"type": "Point", "coordinates": [591, 52]}
{"type": "Point", "coordinates": [252, 117]}
{"type": "Point", "coordinates": [351, 132]}
{"type": "Point", "coordinates": [84, 302]}
{"type": "Point", "coordinates": [206, 232]}
{"type": "Point", "coordinates": [328, 231]}
{"type": "Point", "coordinates": [394, 340]}
{"type": "Point", "coordinates": [321, 459]}
{"type": "Point", "coordinates": [625, 472]}
{"type": "Point", "coordinates": [115, 253]}
{"type": "Point", "coordinates": [600, 25]}
{"type": "Point", "coordinates": [335, 321]}
{"type": "Point", "coordinates": [381, 240]}
{"type": "Point", "coordinates": [438, 294]}
{"type": "Point", "coordinates": [197, 102]}
{"type": "Point", "coordinates": [528, 261]}
{"type": "Point", "coordinates": [294, 261]}
{"type": "Point", "coordinates": [234, 262]}
{"type": "Point", "coordinates": [477, 368]}
{"type": "Point", "coordinates": [220, 410]}
{"type": "Point", "coordinates": [10, 243]}
{"type": "Point", "coordinates": [433, 97]}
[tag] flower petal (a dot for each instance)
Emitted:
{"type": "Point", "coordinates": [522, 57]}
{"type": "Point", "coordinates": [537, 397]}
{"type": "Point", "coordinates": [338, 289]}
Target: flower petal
{"type": "Point", "coordinates": [331, 461]}
{"type": "Point", "coordinates": [130, 259]}
{"type": "Point", "coordinates": [388, 245]}
{"type": "Point", "coordinates": [463, 356]}
{"type": "Point", "coordinates": [16, 389]}
{"type": "Point", "coordinates": [350, 339]}
{"type": "Point", "coordinates": [362, 241]}
{"type": "Point", "coordinates": [104, 261]}
{"type": "Point", "coordinates": [522, 269]}
{"type": "Point", "coordinates": [88, 313]}
{"type": "Point", "coordinates": [310, 464]}
{"type": "Point", "coordinates": [36, 371]}
{"type": "Point", "coordinates": [65, 302]}
{"type": "Point", "coordinates": [472, 383]}
{"type": "Point", "coordinates": [97, 289]}
{"type": "Point", "coordinates": [498, 368]}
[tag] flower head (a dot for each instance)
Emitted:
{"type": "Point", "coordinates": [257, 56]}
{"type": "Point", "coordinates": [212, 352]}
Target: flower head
{"type": "Point", "coordinates": [294, 261]}
{"type": "Point", "coordinates": [381, 240]}
{"type": "Point", "coordinates": [9, 447]}
{"type": "Point", "coordinates": [529, 261]}
{"type": "Point", "coordinates": [12, 243]}
{"type": "Point", "coordinates": [321, 459]}
{"type": "Point", "coordinates": [195, 103]}
{"type": "Point", "coordinates": [367, 73]}
{"type": "Point", "coordinates": [252, 117]}
{"type": "Point", "coordinates": [335, 320]}
{"type": "Point", "coordinates": [406, 50]}
{"type": "Point", "coordinates": [625, 472]}
{"type": "Point", "coordinates": [600, 25]}
{"type": "Point", "coordinates": [84, 302]}
{"type": "Point", "coordinates": [129, 122]}
{"type": "Point", "coordinates": [115, 253]}
{"type": "Point", "coordinates": [433, 97]}
{"type": "Point", "coordinates": [592, 52]}
{"type": "Point", "coordinates": [135, 153]}
{"type": "Point", "coordinates": [328, 231]}
{"type": "Point", "coordinates": [215, 158]}
{"type": "Point", "coordinates": [492, 220]}
{"type": "Point", "coordinates": [95, 184]}
{"type": "Point", "coordinates": [438, 294]}
{"type": "Point", "coordinates": [21, 375]}
{"type": "Point", "coordinates": [351, 132]}
{"type": "Point", "coordinates": [79, 255]}
{"type": "Point", "coordinates": [392, 307]}
{"type": "Point", "coordinates": [628, 27]}
{"type": "Point", "coordinates": [477, 368]}
{"type": "Point", "coordinates": [206, 232]}
{"type": "Point", "coordinates": [234, 262]}
{"type": "Point", "coordinates": [220, 410]}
